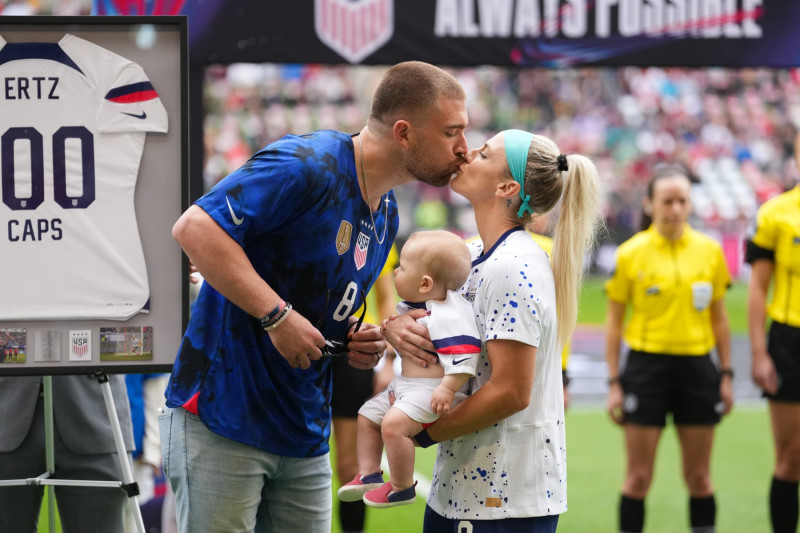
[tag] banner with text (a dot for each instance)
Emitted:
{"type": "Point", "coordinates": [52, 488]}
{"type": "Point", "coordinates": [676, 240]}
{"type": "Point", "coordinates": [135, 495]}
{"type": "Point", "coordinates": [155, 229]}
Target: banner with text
{"type": "Point", "coordinates": [734, 33]}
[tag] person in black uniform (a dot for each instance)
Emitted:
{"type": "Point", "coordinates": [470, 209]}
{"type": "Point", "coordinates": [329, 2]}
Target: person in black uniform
{"type": "Point", "coordinates": [674, 278]}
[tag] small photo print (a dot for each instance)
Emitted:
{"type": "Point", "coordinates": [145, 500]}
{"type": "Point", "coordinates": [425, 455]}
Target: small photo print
{"type": "Point", "coordinates": [47, 345]}
{"type": "Point", "coordinates": [13, 345]}
{"type": "Point", "coordinates": [126, 343]}
{"type": "Point", "coordinates": [80, 345]}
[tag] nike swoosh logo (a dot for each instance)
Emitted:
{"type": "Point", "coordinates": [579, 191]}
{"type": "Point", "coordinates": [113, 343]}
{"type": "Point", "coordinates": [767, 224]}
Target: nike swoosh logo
{"type": "Point", "coordinates": [459, 361]}
{"type": "Point", "coordinates": [236, 220]}
{"type": "Point", "coordinates": [141, 116]}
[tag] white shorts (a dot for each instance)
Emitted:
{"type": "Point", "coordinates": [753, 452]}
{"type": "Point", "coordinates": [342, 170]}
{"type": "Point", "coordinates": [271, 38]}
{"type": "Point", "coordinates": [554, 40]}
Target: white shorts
{"type": "Point", "coordinates": [412, 396]}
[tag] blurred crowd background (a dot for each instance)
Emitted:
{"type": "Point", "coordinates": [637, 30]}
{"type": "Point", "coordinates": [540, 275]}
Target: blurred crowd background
{"type": "Point", "coordinates": [733, 129]}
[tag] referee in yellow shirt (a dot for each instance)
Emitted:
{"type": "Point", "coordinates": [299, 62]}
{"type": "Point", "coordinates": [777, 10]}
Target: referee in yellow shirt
{"type": "Point", "coordinates": [674, 278]}
{"type": "Point", "coordinates": [774, 253]}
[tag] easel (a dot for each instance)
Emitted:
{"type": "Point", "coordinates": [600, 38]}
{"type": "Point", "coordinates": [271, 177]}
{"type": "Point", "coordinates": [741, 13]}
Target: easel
{"type": "Point", "coordinates": [129, 485]}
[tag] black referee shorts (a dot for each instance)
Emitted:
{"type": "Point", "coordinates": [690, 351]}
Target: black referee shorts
{"type": "Point", "coordinates": [784, 349]}
{"type": "Point", "coordinates": [351, 388]}
{"type": "Point", "coordinates": [657, 384]}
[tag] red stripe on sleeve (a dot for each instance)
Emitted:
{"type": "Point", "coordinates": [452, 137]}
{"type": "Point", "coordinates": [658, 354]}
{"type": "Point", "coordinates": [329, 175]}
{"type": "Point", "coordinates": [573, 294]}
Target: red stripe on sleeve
{"type": "Point", "coordinates": [459, 349]}
{"type": "Point", "coordinates": [141, 96]}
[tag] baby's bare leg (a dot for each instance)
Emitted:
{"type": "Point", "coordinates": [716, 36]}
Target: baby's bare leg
{"type": "Point", "coordinates": [397, 430]}
{"type": "Point", "coordinates": [369, 447]}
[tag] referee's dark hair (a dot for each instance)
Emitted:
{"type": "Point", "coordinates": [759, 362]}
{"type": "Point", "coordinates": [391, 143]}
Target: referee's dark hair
{"type": "Point", "coordinates": [661, 171]}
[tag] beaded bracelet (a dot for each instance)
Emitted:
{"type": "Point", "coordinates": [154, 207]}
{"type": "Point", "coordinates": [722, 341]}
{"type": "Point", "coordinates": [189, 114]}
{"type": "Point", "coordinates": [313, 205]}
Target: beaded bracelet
{"type": "Point", "coordinates": [272, 314]}
{"type": "Point", "coordinates": [277, 319]}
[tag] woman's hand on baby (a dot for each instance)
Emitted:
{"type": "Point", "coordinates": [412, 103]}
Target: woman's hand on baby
{"type": "Point", "coordinates": [409, 338]}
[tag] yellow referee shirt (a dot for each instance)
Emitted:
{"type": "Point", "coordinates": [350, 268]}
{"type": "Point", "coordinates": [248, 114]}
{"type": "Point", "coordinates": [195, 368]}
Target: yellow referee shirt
{"type": "Point", "coordinates": [670, 286]}
{"type": "Point", "coordinates": [777, 237]}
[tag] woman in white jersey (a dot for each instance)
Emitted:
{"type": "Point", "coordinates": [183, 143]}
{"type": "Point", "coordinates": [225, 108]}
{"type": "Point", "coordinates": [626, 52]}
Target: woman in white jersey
{"type": "Point", "coordinates": [501, 465]}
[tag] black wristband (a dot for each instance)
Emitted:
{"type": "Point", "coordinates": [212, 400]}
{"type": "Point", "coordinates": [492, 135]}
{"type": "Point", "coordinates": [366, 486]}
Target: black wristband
{"type": "Point", "coordinates": [613, 380]}
{"type": "Point", "coordinates": [726, 372]}
{"type": "Point", "coordinates": [423, 439]}
{"type": "Point", "coordinates": [271, 323]}
{"type": "Point", "coordinates": [564, 378]}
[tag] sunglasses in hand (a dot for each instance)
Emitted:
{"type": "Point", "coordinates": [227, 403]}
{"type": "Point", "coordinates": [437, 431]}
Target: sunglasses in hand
{"type": "Point", "coordinates": [335, 347]}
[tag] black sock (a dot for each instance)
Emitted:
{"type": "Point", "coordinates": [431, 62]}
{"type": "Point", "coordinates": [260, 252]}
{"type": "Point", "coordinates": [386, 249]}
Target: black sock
{"type": "Point", "coordinates": [783, 505]}
{"type": "Point", "coordinates": [631, 515]}
{"type": "Point", "coordinates": [702, 514]}
{"type": "Point", "coordinates": [351, 515]}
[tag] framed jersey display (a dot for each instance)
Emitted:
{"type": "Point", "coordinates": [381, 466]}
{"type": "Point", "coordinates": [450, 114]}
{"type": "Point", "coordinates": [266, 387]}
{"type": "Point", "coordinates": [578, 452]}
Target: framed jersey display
{"type": "Point", "coordinates": [93, 174]}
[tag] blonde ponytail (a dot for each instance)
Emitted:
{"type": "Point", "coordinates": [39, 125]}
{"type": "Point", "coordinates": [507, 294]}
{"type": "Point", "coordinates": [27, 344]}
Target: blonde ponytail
{"type": "Point", "coordinates": [578, 189]}
{"type": "Point", "coordinates": [578, 221]}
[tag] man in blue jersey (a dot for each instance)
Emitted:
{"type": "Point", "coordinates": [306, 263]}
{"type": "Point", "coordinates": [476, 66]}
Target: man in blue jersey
{"type": "Point", "coordinates": [288, 245]}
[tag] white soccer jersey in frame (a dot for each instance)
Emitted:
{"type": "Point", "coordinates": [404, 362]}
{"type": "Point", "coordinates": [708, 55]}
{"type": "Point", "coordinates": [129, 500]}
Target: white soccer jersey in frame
{"type": "Point", "coordinates": [73, 121]}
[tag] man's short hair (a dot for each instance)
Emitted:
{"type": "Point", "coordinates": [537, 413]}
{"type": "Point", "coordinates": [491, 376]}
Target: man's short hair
{"type": "Point", "coordinates": [409, 89]}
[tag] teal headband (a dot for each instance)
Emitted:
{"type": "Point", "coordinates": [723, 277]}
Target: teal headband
{"type": "Point", "coordinates": [517, 143]}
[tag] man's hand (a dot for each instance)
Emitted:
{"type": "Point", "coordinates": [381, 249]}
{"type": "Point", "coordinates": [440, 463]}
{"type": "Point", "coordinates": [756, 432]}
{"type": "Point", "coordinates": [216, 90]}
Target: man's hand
{"type": "Point", "coordinates": [297, 340]}
{"type": "Point", "coordinates": [365, 347]}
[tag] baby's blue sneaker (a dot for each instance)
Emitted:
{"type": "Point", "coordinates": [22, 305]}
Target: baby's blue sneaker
{"type": "Point", "coordinates": [384, 497]}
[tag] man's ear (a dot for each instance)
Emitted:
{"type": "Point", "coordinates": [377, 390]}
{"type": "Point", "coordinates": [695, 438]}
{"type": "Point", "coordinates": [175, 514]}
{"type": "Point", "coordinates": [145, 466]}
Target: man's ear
{"type": "Point", "coordinates": [402, 132]}
{"type": "Point", "coordinates": [426, 285]}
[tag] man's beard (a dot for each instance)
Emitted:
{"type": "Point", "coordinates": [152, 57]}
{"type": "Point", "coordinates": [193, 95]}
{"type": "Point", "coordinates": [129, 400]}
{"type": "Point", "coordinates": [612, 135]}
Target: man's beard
{"type": "Point", "coordinates": [418, 166]}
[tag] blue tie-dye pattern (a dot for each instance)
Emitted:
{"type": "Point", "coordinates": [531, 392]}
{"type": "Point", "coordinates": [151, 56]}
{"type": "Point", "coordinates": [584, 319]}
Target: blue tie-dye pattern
{"type": "Point", "coordinates": [293, 196]}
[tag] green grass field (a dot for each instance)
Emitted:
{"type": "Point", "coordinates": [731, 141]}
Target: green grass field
{"type": "Point", "coordinates": [742, 461]}
{"type": "Point", "coordinates": [741, 464]}
{"type": "Point", "coordinates": [741, 471]}
{"type": "Point", "coordinates": [18, 359]}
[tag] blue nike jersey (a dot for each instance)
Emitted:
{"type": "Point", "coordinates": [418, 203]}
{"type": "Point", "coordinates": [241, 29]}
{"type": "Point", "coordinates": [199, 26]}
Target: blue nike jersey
{"type": "Point", "coordinates": [296, 209]}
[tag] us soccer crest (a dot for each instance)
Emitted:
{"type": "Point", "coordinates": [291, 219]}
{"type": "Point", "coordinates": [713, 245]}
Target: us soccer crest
{"type": "Point", "coordinates": [354, 28]}
{"type": "Point", "coordinates": [80, 347]}
{"type": "Point", "coordinates": [360, 253]}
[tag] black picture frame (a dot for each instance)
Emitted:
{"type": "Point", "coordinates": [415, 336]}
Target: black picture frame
{"type": "Point", "coordinates": [159, 44]}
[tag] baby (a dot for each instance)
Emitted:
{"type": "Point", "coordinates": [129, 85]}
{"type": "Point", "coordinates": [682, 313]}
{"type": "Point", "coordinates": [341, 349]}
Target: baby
{"type": "Point", "coordinates": [433, 266]}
